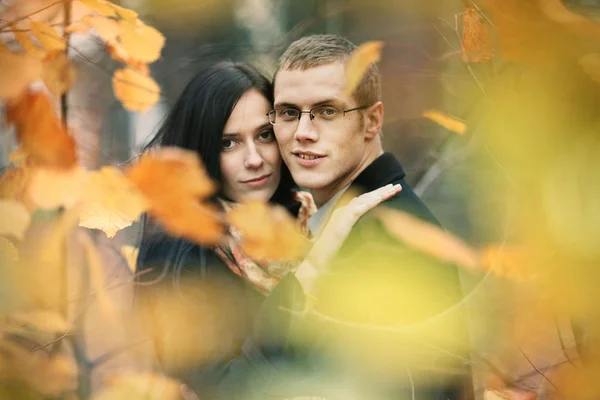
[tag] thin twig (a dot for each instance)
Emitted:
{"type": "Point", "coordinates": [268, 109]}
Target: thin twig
{"type": "Point", "coordinates": [9, 24]}
{"type": "Point", "coordinates": [540, 372]}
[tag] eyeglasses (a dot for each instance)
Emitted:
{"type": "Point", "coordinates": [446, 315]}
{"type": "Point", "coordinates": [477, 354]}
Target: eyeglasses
{"type": "Point", "coordinates": [289, 117]}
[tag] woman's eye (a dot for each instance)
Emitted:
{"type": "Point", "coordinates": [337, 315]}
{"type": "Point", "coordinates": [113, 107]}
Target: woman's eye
{"type": "Point", "coordinates": [227, 144]}
{"type": "Point", "coordinates": [266, 135]}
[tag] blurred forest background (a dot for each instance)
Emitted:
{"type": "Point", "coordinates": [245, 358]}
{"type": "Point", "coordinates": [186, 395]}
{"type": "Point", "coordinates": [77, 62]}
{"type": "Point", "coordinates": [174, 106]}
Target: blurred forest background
{"type": "Point", "coordinates": [458, 176]}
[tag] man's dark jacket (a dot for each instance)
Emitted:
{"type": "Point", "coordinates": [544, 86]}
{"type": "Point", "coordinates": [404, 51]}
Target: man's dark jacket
{"type": "Point", "coordinates": [387, 322]}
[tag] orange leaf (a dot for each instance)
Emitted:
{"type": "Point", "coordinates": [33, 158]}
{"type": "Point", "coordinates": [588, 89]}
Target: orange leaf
{"type": "Point", "coordinates": [476, 40]}
{"type": "Point", "coordinates": [101, 6]}
{"type": "Point", "coordinates": [446, 121]}
{"type": "Point", "coordinates": [175, 183]}
{"type": "Point", "coordinates": [135, 90]}
{"type": "Point", "coordinates": [15, 219]}
{"type": "Point", "coordinates": [17, 71]}
{"type": "Point", "coordinates": [47, 36]}
{"type": "Point", "coordinates": [359, 62]}
{"type": "Point", "coordinates": [59, 73]}
{"type": "Point", "coordinates": [40, 132]}
{"type": "Point", "coordinates": [14, 185]}
{"type": "Point", "coordinates": [267, 233]}
{"type": "Point", "coordinates": [511, 262]}
{"type": "Point", "coordinates": [141, 42]}
{"type": "Point", "coordinates": [107, 29]}
{"type": "Point", "coordinates": [427, 238]}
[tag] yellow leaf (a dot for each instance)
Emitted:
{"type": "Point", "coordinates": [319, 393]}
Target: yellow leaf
{"type": "Point", "coordinates": [15, 219]}
{"type": "Point", "coordinates": [101, 6]}
{"type": "Point", "coordinates": [51, 188]}
{"type": "Point", "coordinates": [109, 187]}
{"type": "Point", "coordinates": [22, 37]}
{"type": "Point", "coordinates": [136, 91]}
{"type": "Point", "coordinates": [59, 73]}
{"type": "Point", "coordinates": [124, 13]}
{"type": "Point", "coordinates": [590, 63]}
{"type": "Point", "coordinates": [446, 121]}
{"type": "Point", "coordinates": [427, 238]}
{"type": "Point", "coordinates": [111, 202]}
{"type": "Point", "coordinates": [267, 232]}
{"type": "Point", "coordinates": [47, 36]}
{"type": "Point", "coordinates": [141, 42]}
{"type": "Point", "coordinates": [107, 29]}
{"type": "Point", "coordinates": [18, 157]}
{"type": "Point", "coordinates": [41, 320]}
{"type": "Point", "coordinates": [130, 254]}
{"type": "Point", "coordinates": [95, 216]}
{"type": "Point", "coordinates": [359, 62]}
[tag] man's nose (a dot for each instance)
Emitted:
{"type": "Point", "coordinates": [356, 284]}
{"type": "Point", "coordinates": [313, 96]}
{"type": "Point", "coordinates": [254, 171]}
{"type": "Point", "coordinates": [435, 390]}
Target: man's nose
{"type": "Point", "coordinates": [306, 129]}
{"type": "Point", "coordinates": [253, 158]}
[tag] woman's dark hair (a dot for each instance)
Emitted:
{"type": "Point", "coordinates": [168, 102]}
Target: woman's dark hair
{"type": "Point", "coordinates": [196, 121]}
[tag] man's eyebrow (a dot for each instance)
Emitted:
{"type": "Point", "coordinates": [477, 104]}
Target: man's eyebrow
{"type": "Point", "coordinates": [317, 104]}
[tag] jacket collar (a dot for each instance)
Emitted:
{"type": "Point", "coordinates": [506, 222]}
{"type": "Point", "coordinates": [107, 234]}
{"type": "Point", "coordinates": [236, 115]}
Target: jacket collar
{"type": "Point", "coordinates": [384, 170]}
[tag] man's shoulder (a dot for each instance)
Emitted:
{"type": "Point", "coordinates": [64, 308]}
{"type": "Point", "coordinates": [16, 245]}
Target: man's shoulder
{"type": "Point", "coordinates": [408, 201]}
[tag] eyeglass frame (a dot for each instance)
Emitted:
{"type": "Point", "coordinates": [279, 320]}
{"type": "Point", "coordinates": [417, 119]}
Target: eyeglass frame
{"type": "Point", "coordinates": [309, 112]}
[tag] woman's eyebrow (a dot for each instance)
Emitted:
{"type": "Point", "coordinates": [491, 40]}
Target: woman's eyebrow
{"type": "Point", "coordinates": [230, 135]}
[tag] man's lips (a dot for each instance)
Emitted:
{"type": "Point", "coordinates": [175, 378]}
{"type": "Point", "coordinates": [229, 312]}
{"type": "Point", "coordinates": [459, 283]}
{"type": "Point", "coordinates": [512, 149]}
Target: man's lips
{"type": "Point", "coordinates": [308, 155]}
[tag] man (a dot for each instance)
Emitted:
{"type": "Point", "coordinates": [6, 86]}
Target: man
{"type": "Point", "coordinates": [384, 324]}
{"type": "Point", "coordinates": [332, 146]}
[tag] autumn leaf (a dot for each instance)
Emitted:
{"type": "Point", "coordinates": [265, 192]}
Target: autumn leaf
{"type": "Point", "coordinates": [135, 90]}
{"type": "Point", "coordinates": [111, 202]}
{"type": "Point", "coordinates": [50, 188]}
{"type": "Point", "coordinates": [141, 42]}
{"type": "Point", "coordinates": [124, 13]}
{"type": "Point", "coordinates": [175, 183]}
{"type": "Point", "coordinates": [107, 29]}
{"type": "Point", "coordinates": [446, 121]}
{"type": "Point", "coordinates": [17, 71]}
{"type": "Point", "coordinates": [15, 219]}
{"type": "Point", "coordinates": [267, 232]}
{"type": "Point", "coordinates": [130, 254]}
{"type": "Point", "coordinates": [40, 132]}
{"type": "Point", "coordinates": [41, 10]}
{"type": "Point", "coordinates": [14, 185]}
{"type": "Point", "coordinates": [140, 386]}
{"type": "Point", "coordinates": [22, 37]}
{"type": "Point", "coordinates": [427, 238]}
{"type": "Point", "coordinates": [359, 62]}
{"type": "Point", "coordinates": [47, 36]}
{"type": "Point", "coordinates": [477, 43]}
{"type": "Point", "coordinates": [59, 74]}
{"type": "Point", "coordinates": [508, 261]}
{"type": "Point", "coordinates": [101, 6]}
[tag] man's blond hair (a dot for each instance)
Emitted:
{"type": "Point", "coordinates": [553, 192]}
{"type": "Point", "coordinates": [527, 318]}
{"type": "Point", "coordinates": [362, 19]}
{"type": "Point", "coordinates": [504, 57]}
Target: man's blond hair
{"type": "Point", "coordinates": [317, 50]}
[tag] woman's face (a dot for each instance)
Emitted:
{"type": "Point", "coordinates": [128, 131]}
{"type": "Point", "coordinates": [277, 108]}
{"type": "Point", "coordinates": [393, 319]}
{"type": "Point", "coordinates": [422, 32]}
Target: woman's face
{"type": "Point", "coordinates": [250, 161]}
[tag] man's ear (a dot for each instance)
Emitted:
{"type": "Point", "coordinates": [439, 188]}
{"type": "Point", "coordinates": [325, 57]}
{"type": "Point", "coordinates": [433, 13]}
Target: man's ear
{"type": "Point", "coordinates": [373, 120]}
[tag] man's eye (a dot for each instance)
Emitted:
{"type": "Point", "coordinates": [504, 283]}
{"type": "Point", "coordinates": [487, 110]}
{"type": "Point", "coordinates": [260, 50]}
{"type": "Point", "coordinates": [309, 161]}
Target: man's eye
{"type": "Point", "coordinates": [328, 112]}
{"type": "Point", "coordinates": [288, 113]}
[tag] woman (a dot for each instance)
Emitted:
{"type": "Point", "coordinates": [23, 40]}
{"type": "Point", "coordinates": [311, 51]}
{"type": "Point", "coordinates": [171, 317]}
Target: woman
{"type": "Point", "coordinates": [222, 115]}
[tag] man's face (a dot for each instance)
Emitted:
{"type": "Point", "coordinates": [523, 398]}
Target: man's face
{"type": "Point", "coordinates": [323, 156]}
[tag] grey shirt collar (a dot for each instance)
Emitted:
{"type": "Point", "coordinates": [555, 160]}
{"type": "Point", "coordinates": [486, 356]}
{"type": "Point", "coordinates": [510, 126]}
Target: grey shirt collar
{"type": "Point", "coordinates": [316, 223]}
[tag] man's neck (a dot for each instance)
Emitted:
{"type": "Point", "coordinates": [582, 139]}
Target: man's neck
{"type": "Point", "coordinates": [325, 194]}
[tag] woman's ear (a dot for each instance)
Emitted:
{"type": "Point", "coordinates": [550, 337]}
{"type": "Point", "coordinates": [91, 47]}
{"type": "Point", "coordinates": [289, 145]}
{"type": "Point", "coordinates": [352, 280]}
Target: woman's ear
{"type": "Point", "coordinates": [374, 120]}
